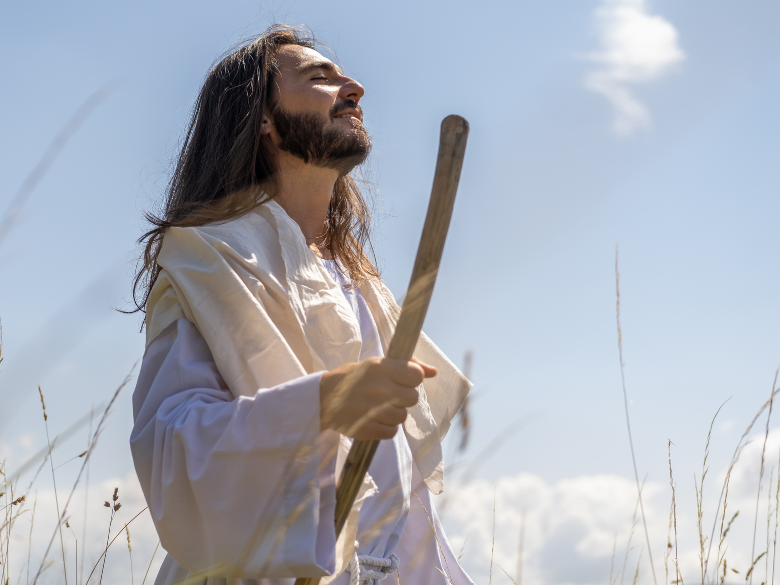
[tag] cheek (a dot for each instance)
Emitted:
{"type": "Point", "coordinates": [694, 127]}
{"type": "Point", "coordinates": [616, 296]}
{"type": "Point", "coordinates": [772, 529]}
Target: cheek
{"type": "Point", "coordinates": [318, 99]}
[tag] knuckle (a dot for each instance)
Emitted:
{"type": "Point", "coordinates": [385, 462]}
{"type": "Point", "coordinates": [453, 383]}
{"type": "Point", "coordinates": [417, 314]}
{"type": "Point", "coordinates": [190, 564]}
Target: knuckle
{"type": "Point", "coordinates": [373, 366]}
{"type": "Point", "coordinates": [398, 416]}
{"type": "Point", "coordinates": [411, 396]}
{"type": "Point", "coordinates": [413, 374]}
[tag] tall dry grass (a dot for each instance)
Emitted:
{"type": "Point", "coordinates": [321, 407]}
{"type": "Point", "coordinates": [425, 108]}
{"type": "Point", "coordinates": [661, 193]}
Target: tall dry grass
{"type": "Point", "coordinates": [19, 499]}
{"type": "Point", "coordinates": [17, 496]}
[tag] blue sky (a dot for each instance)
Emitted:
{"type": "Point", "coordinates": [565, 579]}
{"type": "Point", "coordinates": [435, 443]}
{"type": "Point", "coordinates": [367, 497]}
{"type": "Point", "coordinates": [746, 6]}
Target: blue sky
{"type": "Point", "coordinates": [556, 175]}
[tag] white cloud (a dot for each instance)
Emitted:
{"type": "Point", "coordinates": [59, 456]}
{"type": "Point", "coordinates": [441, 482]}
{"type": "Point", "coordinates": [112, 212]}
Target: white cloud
{"type": "Point", "coordinates": [635, 47]}
{"type": "Point", "coordinates": [573, 524]}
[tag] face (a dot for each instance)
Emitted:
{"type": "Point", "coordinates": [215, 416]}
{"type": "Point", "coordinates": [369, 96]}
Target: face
{"type": "Point", "coordinates": [316, 114]}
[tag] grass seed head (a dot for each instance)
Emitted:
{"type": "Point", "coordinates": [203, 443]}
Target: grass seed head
{"type": "Point", "coordinates": [43, 404]}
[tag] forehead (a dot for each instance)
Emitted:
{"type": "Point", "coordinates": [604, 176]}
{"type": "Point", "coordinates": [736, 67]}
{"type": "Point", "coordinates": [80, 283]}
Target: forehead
{"type": "Point", "coordinates": [294, 58]}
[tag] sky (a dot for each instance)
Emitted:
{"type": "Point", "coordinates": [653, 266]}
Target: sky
{"type": "Point", "coordinates": [645, 125]}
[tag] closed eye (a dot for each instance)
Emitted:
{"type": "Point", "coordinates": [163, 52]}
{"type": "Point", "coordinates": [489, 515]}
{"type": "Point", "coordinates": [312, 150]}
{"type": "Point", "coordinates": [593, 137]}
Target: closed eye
{"type": "Point", "coordinates": [319, 68]}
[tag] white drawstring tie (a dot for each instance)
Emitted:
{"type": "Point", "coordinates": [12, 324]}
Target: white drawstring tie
{"type": "Point", "coordinates": [365, 569]}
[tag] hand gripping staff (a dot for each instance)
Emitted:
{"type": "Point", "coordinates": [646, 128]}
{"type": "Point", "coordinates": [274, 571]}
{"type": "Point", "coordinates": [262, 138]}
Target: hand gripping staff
{"type": "Point", "coordinates": [452, 148]}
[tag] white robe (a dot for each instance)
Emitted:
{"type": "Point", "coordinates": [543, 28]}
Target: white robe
{"type": "Point", "coordinates": [241, 483]}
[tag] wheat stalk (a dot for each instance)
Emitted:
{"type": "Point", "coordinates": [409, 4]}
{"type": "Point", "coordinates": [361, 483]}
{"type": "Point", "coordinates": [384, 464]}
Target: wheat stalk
{"type": "Point", "coordinates": [150, 562]}
{"type": "Point", "coordinates": [114, 506]}
{"type": "Point", "coordinates": [734, 459]}
{"type": "Point", "coordinates": [761, 473]}
{"type": "Point", "coordinates": [54, 481]}
{"type": "Point", "coordinates": [777, 507]}
{"type": "Point", "coordinates": [105, 550]}
{"type": "Point", "coordinates": [628, 419]}
{"type": "Point", "coordinates": [674, 513]}
{"type": "Point", "coordinates": [93, 443]}
{"type": "Point", "coordinates": [130, 552]}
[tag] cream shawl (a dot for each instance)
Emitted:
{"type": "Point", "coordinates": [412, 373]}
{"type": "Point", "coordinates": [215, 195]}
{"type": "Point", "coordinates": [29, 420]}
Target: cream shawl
{"type": "Point", "coordinates": [270, 312]}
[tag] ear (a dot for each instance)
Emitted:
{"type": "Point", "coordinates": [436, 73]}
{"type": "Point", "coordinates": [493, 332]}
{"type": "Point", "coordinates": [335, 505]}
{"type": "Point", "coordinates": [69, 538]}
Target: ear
{"type": "Point", "coordinates": [266, 124]}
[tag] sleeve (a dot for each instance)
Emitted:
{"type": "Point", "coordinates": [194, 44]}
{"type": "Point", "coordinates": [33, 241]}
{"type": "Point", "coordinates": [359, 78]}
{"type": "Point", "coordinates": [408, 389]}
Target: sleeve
{"type": "Point", "coordinates": [236, 487]}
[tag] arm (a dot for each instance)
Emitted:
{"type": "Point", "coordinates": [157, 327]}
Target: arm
{"type": "Point", "coordinates": [235, 486]}
{"type": "Point", "coordinates": [246, 486]}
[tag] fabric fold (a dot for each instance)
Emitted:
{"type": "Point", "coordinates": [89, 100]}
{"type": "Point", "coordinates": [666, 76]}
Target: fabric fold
{"type": "Point", "coordinates": [270, 312]}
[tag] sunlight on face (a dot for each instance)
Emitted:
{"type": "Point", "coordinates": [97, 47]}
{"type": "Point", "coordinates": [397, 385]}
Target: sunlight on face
{"type": "Point", "coordinates": [310, 83]}
{"type": "Point", "coordinates": [316, 114]}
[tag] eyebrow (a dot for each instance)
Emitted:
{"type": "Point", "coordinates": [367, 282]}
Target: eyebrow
{"type": "Point", "coordinates": [326, 65]}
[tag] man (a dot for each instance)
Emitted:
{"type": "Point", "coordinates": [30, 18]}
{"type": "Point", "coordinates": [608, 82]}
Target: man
{"type": "Point", "coordinates": [266, 325]}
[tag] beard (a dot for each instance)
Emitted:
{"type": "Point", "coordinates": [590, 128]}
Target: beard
{"type": "Point", "coordinates": [305, 136]}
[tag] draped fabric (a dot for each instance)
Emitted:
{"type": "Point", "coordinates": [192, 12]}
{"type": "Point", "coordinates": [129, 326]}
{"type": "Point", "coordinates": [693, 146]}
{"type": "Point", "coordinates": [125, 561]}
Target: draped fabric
{"type": "Point", "coordinates": [270, 312]}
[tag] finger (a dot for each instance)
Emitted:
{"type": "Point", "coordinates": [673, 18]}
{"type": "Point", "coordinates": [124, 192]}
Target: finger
{"type": "Point", "coordinates": [390, 400]}
{"type": "Point", "coordinates": [403, 372]}
{"type": "Point", "coordinates": [429, 371]}
{"type": "Point", "coordinates": [378, 420]}
{"type": "Point", "coordinates": [391, 415]}
{"type": "Point", "coordinates": [375, 431]}
{"type": "Point", "coordinates": [389, 392]}
{"type": "Point", "coordinates": [366, 428]}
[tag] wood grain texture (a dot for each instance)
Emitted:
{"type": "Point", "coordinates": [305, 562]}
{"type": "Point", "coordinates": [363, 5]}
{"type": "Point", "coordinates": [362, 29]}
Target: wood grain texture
{"type": "Point", "coordinates": [452, 149]}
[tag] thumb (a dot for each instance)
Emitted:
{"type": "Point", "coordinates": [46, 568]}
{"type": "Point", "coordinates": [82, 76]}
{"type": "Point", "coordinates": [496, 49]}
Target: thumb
{"type": "Point", "coordinates": [429, 371]}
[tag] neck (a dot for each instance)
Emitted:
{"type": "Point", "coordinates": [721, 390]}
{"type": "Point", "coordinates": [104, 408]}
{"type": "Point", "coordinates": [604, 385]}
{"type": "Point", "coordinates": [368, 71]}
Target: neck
{"type": "Point", "coordinates": [304, 191]}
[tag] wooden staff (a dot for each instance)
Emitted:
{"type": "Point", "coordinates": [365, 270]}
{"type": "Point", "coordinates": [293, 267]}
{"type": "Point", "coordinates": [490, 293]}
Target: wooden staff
{"type": "Point", "coordinates": [452, 148]}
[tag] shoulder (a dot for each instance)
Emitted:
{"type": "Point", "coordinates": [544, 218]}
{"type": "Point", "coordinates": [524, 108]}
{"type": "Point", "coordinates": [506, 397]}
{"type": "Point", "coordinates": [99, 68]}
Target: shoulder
{"type": "Point", "coordinates": [246, 236]}
{"type": "Point", "coordinates": [248, 228]}
{"type": "Point", "coordinates": [249, 246]}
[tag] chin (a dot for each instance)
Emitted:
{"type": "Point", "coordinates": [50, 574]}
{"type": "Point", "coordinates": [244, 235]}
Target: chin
{"type": "Point", "coordinates": [345, 164]}
{"type": "Point", "coordinates": [348, 151]}
{"type": "Point", "coordinates": [351, 163]}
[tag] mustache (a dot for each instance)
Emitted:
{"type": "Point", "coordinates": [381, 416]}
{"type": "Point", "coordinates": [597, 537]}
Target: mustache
{"type": "Point", "coordinates": [345, 105]}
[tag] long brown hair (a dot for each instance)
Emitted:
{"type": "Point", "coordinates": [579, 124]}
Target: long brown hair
{"type": "Point", "coordinates": [224, 157]}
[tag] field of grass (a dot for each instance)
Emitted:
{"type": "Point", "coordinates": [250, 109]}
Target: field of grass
{"type": "Point", "coordinates": [722, 531]}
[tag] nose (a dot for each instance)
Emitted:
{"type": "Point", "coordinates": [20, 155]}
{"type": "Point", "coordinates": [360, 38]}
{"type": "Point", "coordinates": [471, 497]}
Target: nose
{"type": "Point", "coordinates": [351, 90]}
